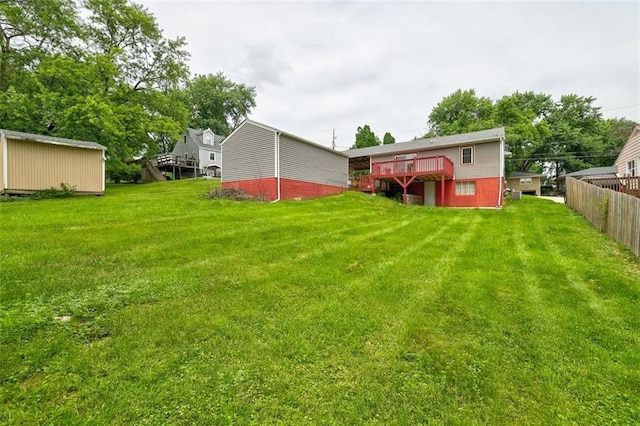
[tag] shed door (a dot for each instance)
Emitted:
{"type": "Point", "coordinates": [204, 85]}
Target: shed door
{"type": "Point", "coordinates": [430, 193]}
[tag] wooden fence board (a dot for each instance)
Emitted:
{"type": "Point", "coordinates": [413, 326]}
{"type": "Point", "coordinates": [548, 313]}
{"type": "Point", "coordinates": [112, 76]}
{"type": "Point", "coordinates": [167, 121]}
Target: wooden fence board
{"type": "Point", "coordinates": [615, 213]}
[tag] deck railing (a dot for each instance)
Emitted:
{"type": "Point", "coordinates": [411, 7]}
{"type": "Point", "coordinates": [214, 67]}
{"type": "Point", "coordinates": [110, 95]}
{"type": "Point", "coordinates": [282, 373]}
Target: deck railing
{"type": "Point", "coordinates": [365, 183]}
{"type": "Point", "coordinates": [627, 184]}
{"type": "Point", "coordinates": [175, 160]}
{"type": "Point", "coordinates": [419, 166]}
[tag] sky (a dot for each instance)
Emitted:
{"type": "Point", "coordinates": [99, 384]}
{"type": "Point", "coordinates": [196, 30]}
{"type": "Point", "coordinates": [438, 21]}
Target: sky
{"type": "Point", "coordinates": [320, 66]}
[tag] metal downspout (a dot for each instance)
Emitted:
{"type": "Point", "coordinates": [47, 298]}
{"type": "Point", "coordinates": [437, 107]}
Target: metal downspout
{"type": "Point", "coordinates": [5, 162]}
{"type": "Point", "coordinates": [501, 172]}
{"type": "Point", "coordinates": [277, 165]}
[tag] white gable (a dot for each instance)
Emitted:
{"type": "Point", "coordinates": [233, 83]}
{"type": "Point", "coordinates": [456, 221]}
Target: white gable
{"type": "Point", "coordinates": [207, 137]}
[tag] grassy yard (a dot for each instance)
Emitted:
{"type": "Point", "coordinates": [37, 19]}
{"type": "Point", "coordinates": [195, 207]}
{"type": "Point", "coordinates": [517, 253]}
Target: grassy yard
{"type": "Point", "coordinates": [153, 304]}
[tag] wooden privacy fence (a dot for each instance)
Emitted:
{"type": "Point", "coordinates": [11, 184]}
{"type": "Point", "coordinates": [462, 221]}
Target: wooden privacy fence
{"type": "Point", "coordinates": [615, 213]}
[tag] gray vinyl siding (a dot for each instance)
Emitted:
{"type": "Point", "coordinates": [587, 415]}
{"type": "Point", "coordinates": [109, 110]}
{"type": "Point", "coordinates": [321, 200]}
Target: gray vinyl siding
{"type": "Point", "coordinates": [249, 153]}
{"type": "Point", "coordinates": [305, 162]}
{"type": "Point", "coordinates": [486, 160]}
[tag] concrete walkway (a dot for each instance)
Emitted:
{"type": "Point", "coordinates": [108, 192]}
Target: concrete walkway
{"type": "Point", "coordinates": [554, 199]}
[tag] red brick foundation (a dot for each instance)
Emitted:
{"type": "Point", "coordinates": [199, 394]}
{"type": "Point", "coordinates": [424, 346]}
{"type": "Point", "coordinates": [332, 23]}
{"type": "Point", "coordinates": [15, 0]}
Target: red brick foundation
{"type": "Point", "coordinates": [265, 187]}
{"type": "Point", "coordinates": [289, 189]}
{"type": "Point", "coordinates": [487, 193]}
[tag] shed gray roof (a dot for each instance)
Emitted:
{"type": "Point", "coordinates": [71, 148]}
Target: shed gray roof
{"type": "Point", "coordinates": [524, 174]}
{"type": "Point", "coordinates": [593, 171]}
{"type": "Point", "coordinates": [11, 134]}
{"type": "Point", "coordinates": [437, 142]}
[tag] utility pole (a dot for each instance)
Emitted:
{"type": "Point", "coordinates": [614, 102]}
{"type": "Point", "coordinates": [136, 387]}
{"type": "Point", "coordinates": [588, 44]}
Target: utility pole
{"type": "Point", "coordinates": [333, 140]}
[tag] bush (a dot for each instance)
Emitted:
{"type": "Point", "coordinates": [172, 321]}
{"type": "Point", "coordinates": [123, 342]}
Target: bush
{"type": "Point", "coordinates": [120, 172]}
{"type": "Point", "coordinates": [233, 194]}
{"type": "Point", "coordinates": [65, 191]}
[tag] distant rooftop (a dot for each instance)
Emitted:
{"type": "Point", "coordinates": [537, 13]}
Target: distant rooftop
{"type": "Point", "coordinates": [593, 171]}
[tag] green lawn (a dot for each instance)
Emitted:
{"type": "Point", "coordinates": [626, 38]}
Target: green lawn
{"type": "Point", "coordinates": [349, 309]}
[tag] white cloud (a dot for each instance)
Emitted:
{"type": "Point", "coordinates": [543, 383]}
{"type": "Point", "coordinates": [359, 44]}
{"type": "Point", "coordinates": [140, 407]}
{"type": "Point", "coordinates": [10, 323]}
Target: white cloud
{"type": "Point", "coordinates": [324, 65]}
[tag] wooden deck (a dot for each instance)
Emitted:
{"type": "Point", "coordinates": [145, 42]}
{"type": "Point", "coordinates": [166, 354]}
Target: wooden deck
{"type": "Point", "coordinates": [178, 165]}
{"type": "Point", "coordinates": [419, 168]}
{"type": "Point", "coordinates": [405, 172]}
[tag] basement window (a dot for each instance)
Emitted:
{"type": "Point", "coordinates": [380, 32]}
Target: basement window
{"type": "Point", "coordinates": [466, 188]}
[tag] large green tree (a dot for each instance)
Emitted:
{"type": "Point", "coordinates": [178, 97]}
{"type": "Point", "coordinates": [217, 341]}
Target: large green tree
{"type": "Point", "coordinates": [217, 103]}
{"type": "Point", "coordinates": [365, 137]}
{"type": "Point", "coordinates": [30, 29]}
{"type": "Point", "coordinates": [111, 78]}
{"type": "Point", "coordinates": [562, 136]}
{"type": "Point", "coordinates": [460, 112]}
{"type": "Point", "coordinates": [524, 117]}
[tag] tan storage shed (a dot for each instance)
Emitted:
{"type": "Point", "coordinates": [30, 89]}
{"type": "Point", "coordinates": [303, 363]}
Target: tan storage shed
{"type": "Point", "coordinates": [30, 163]}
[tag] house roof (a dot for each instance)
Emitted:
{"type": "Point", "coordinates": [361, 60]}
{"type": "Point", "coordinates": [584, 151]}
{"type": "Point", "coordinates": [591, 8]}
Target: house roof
{"type": "Point", "coordinates": [196, 136]}
{"type": "Point", "coordinates": [593, 171]}
{"type": "Point", "coordinates": [32, 137]}
{"type": "Point", "coordinates": [524, 174]}
{"type": "Point", "coordinates": [482, 136]}
{"type": "Point", "coordinates": [282, 132]}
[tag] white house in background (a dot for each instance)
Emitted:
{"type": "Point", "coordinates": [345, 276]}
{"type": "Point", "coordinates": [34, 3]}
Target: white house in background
{"type": "Point", "coordinates": [204, 146]}
{"type": "Point", "coordinates": [628, 162]}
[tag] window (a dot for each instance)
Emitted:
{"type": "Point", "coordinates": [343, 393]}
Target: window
{"type": "Point", "coordinates": [631, 168]}
{"type": "Point", "coordinates": [466, 155]}
{"type": "Point", "coordinates": [212, 156]}
{"type": "Point", "coordinates": [465, 188]}
{"type": "Point", "coordinates": [207, 138]}
{"type": "Point", "coordinates": [525, 181]}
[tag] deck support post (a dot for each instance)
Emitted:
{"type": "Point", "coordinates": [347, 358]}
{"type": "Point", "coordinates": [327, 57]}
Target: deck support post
{"type": "Point", "coordinates": [442, 191]}
{"type": "Point", "coordinates": [404, 184]}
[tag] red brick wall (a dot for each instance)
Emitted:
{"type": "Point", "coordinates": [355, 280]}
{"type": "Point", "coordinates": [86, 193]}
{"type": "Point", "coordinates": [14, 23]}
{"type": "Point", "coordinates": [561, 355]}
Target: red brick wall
{"type": "Point", "coordinates": [266, 187]}
{"type": "Point", "coordinates": [289, 188]}
{"type": "Point", "coordinates": [486, 195]}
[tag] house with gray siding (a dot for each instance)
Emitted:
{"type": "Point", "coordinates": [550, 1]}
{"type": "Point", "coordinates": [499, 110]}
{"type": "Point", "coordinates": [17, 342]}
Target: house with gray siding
{"type": "Point", "coordinates": [202, 146]}
{"type": "Point", "coordinates": [263, 160]}
{"type": "Point", "coordinates": [465, 170]}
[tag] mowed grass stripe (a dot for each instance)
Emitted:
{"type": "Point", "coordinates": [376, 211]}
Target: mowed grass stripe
{"type": "Point", "coordinates": [350, 309]}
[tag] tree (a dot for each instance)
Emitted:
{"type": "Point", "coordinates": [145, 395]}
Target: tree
{"type": "Point", "coordinates": [217, 103]}
{"type": "Point", "coordinates": [30, 29]}
{"type": "Point", "coordinates": [112, 79]}
{"type": "Point", "coordinates": [562, 136]}
{"type": "Point", "coordinates": [461, 112]}
{"type": "Point", "coordinates": [616, 133]}
{"type": "Point", "coordinates": [524, 117]}
{"type": "Point", "coordinates": [365, 137]}
{"type": "Point", "coordinates": [388, 139]}
{"type": "Point", "coordinates": [577, 134]}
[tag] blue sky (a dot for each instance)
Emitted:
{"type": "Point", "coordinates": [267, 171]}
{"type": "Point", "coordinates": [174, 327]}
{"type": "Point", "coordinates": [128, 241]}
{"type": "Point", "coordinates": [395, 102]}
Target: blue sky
{"type": "Point", "coordinates": [319, 66]}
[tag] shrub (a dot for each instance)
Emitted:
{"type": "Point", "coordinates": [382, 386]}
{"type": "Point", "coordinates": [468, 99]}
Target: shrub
{"type": "Point", "coordinates": [120, 172]}
{"type": "Point", "coordinates": [233, 194]}
{"type": "Point", "coordinates": [65, 191]}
